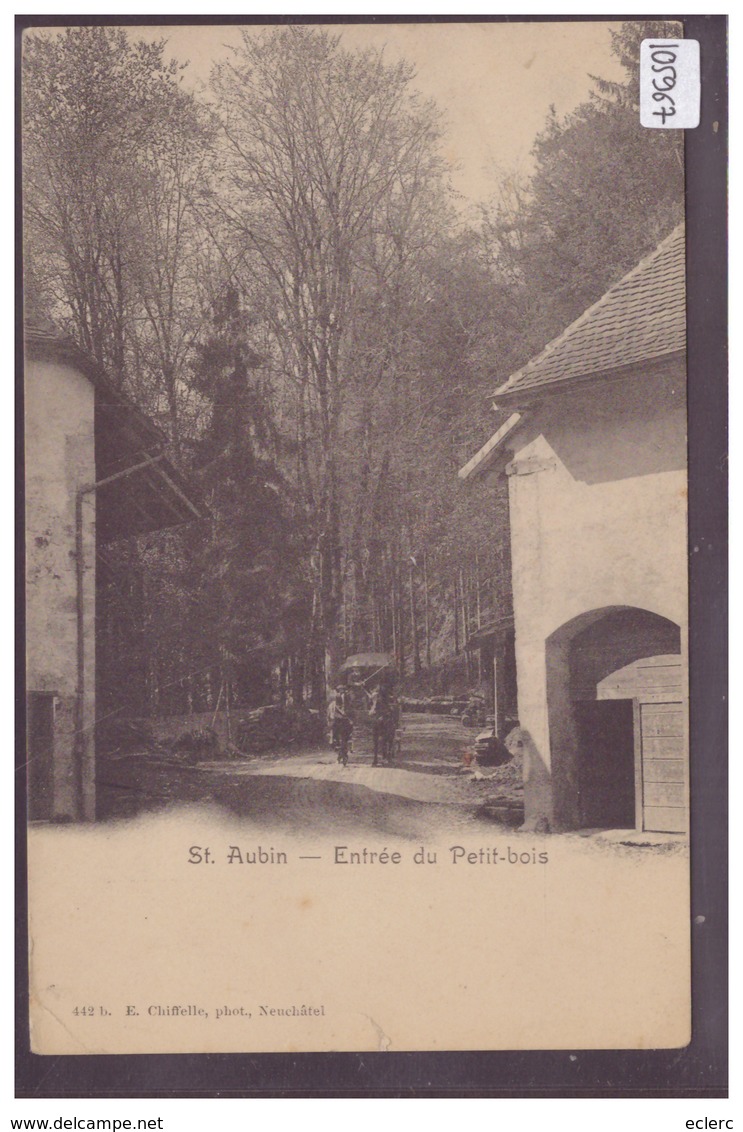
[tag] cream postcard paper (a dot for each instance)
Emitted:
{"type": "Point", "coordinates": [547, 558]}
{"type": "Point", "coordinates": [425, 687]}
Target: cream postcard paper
{"type": "Point", "coordinates": [356, 540]}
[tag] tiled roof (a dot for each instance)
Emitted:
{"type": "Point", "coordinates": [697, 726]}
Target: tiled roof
{"type": "Point", "coordinates": [642, 317]}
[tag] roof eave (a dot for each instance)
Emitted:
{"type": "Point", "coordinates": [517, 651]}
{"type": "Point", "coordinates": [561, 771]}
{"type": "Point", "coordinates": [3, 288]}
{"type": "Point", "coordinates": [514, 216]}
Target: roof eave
{"type": "Point", "coordinates": [490, 629]}
{"type": "Point", "coordinates": [483, 459]}
{"type": "Point", "coordinates": [524, 397]}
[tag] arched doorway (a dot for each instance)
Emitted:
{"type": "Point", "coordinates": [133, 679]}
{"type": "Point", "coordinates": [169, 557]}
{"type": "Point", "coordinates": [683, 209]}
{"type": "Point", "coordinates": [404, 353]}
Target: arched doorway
{"type": "Point", "coordinates": [615, 692]}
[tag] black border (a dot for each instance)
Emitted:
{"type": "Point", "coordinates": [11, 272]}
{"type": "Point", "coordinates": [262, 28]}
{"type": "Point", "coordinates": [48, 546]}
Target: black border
{"type": "Point", "coordinates": [698, 1070]}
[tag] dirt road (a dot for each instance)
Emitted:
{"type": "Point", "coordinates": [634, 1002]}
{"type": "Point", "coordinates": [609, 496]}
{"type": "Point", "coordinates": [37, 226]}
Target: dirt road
{"type": "Point", "coordinates": [428, 784]}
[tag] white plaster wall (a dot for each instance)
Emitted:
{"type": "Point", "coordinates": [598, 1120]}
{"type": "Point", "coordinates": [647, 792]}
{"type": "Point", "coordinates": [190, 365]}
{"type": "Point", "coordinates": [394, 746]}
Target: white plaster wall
{"type": "Point", "coordinates": [60, 458]}
{"type": "Point", "coordinates": [602, 523]}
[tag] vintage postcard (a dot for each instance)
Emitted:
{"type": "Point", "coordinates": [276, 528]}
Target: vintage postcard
{"type": "Point", "coordinates": [356, 559]}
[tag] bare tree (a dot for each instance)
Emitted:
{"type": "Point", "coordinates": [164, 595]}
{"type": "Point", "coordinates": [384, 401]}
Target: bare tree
{"type": "Point", "coordinates": [329, 163]}
{"type": "Point", "coordinates": [113, 150]}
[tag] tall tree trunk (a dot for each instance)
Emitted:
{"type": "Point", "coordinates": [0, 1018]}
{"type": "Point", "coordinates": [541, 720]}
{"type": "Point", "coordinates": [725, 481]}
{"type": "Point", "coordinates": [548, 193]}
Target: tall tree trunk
{"type": "Point", "coordinates": [228, 700]}
{"type": "Point", "coordinates": [465, 624]}
{"type": "Point", "coordinates": [393, 608]}
{"type": "Point", "coordinates": [414, 623]}
{"type": "Point", "coordinates": [477, 592]}
{"type": "Point", "coordinates": [426, 610]}
{"type": "Point", "coordinates": [173, 408]}
{"type": "Point", "coordinates": [283, 681]}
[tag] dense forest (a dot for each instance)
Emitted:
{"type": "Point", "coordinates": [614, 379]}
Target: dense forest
{"type": "Point", "coordinates": [277, 270]}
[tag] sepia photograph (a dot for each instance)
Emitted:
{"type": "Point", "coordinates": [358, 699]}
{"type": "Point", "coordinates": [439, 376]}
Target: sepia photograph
{"type": "Point", "coordinates": [356, 560]}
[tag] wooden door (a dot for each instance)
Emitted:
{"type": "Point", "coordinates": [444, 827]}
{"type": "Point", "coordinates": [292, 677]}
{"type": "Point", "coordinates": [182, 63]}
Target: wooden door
{"type": "Point", "coordinates": [663, 804]}
{"type": "Point", "coordinates": [39, 754]}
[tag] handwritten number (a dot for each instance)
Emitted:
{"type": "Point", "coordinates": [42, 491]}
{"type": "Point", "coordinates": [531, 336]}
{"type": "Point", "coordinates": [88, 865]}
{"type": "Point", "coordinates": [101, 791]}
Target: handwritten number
{"type": "Point", "coordinates": [668, 83]}
{"type": "Point", "coordinates": [663, 57]}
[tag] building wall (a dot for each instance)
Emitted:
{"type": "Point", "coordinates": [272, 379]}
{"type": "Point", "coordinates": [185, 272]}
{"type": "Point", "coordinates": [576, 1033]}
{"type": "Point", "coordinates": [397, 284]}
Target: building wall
{"type": "Point", "coordinates": [60, 458]}
{"type": "Point", "coordinates": [598, 520]}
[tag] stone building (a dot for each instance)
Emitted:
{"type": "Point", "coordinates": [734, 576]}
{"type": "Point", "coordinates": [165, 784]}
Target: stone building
{"type": "Point", "coordinates": [95, 471]}
{"type": "Point", "coordinates": [595, 455]}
